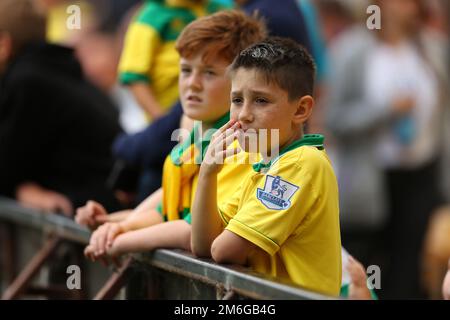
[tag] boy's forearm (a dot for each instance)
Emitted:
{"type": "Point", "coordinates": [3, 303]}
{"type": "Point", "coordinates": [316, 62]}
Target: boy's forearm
{"type": "Point", "coordinates": [169, 235]}
{"type": "Point", "coordinates": [118, 216]}
{"type": "Point", "coordinates": [144, 215]}
{"type": "Point", "coordinates": [150, 203]}
{"type": "Point", "coordinates": [146, 99]}
{"type": "Point", "coordinates": [141, 219]}
{"type": "Point", "coordinates": [206, 224]}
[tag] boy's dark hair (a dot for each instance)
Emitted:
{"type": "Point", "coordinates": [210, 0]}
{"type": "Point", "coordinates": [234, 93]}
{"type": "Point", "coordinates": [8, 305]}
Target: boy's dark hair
{"type": "Point", "coordinates": [282, 61]}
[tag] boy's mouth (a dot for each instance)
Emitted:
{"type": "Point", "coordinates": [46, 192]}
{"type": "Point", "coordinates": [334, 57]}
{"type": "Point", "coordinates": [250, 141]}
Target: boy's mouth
{"type": "Point", "coordinates": [193, 98]}
{"type": "Point", "coordinates": [248, 130]}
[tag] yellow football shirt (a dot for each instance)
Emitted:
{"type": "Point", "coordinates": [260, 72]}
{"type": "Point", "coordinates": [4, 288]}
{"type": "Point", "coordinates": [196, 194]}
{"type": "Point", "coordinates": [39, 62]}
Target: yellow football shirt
{"type": "Point", "coordinates": [181, 171]}
{"type": "Point", "coordinates": [289, 208]}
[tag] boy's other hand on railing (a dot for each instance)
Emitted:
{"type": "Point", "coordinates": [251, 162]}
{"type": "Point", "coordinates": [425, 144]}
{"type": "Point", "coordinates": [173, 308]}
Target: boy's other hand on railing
{"type": "Point", "coordinates": [34, 196]}
{"type": "Point", "coordinates": [92, 215]}
{"type": "Point", "coordinates": [102, 240]}
{"type": "Point", "coordinates": [105, 259]}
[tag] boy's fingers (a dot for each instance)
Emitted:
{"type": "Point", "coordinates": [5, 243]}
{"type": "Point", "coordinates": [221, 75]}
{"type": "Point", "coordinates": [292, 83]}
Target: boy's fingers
{"type": "Point", "coordinates": [102, 240]}
{"type": "Point", "coordinates": [96, 241]}
{"type": "Point", "coordinates": [225, 138]}
{"type": "Point", "coordinates": [88, 252]}
{"type": "Point", "coordinates": [101, 219]}
{"type": "Point", "coordinates": [228, 125]}
{"type": "Point", "coordinates": [232, 152]}
{"type": "Point", "coordinates": [230, 137]}
{"type": "Point", "coordinates": [90, 207]}
{"type": "Point", "coordinates": [112, 233]}
{"type": "Point", "coordinates": [92, 239]}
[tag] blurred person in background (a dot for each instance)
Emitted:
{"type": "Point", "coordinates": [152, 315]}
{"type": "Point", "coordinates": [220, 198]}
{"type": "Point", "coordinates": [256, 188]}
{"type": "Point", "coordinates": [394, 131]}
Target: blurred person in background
{"type": "Point", "coordinates": [283, 20]}
{"type": "Point", "coordinates": [99, 53]}
{"type": "Point", "coordinates": [384, 109]}
{"type": "Point", "coordinates": [56, 128]}
{"type": "Point", "coordinates": [149, 61]}
{"type": "Point", "coordinates": [336, 16]}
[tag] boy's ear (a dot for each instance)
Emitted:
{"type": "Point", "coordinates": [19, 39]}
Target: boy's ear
{"type": "Point", "coordinates": [304, 109]}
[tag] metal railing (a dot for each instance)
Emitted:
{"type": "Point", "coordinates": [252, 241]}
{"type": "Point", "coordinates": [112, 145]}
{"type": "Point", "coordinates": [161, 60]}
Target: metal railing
{"type": "Point", "coordinates": [162, 274]}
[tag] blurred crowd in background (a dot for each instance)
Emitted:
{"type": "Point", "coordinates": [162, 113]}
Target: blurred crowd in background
{"type": "Point", "coordinates": [383, 106]}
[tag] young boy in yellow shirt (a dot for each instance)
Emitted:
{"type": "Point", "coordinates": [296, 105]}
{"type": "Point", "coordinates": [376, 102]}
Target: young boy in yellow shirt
{"type": "Point", "coordinates": [207, 47]}
{"type": "Point", "coordinates": [284, 219]}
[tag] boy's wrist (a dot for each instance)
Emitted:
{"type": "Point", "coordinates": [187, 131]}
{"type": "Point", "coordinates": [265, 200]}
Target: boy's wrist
{"type": "Point", "coordinates": [123, 227]}
{"type": "Point", "coordinates": [115, 250]}
{"type": "Point", "coordinates": [209, 170]}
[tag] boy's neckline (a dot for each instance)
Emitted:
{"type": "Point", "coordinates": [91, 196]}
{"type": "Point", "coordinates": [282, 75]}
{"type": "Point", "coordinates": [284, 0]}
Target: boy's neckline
{"type": "Point", "coordinates": [312, 140]}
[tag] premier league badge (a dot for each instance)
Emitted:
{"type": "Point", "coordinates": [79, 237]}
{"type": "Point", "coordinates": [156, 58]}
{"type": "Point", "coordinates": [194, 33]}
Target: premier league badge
{"type": "Point", "coordinates": [277, 193]}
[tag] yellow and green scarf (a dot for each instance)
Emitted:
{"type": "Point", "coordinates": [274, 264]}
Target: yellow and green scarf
{"type": "Point", "coordinates": [180, 167]}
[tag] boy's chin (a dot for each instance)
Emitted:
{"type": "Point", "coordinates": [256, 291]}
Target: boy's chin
{"type": "Point", "coordinates": [200, 115]}
{"type": "Point", "coordinates": [194, 114]}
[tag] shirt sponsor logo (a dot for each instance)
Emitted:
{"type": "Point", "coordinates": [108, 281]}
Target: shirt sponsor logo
{"type": "Point", "coordinates": [277, 193]}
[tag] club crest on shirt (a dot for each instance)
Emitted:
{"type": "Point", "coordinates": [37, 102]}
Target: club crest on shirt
{"type": "Point", "coordinates": [277, 193]}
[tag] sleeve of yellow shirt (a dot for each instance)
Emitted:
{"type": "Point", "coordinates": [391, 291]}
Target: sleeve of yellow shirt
{"type": "Point", "coordinates": [141, 43]}
{"type": "Point", "coordinates": [275, 207]}
{"type": "Point", "coordinates": [228, 208]}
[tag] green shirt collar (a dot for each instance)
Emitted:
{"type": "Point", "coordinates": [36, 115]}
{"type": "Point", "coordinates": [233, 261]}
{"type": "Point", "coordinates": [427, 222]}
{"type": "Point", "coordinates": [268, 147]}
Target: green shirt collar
{"type": "Point", "coordinates": [313, 140]}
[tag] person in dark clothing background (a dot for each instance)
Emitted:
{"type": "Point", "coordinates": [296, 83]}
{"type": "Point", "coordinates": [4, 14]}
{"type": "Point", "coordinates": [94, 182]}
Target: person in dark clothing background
{"type": "Point", "coordinates": [56, 129]}
{"type": "Point", "coordinates": [144, 153]}
{"type": "Point", "coordinates": [283, 19]}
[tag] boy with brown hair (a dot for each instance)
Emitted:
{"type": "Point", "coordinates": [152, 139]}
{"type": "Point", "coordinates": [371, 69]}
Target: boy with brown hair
{"type": "Point", "coordinates": [207, 47]}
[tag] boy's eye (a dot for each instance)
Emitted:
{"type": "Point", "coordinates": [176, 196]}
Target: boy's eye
{"type": "Point", "coordinates": [185, 70]}
{"type": "Point", "coordinates": [210, 73]}
{"type": "Point", "coordinates": [261, 101]}
{"type": "Point", "coordinates": [237, 100]}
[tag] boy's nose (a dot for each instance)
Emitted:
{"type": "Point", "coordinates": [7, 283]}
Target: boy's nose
{"type": "Point", "coordinates": [246, 115]}
{"type": "Point", "coordinates": [195, 82]}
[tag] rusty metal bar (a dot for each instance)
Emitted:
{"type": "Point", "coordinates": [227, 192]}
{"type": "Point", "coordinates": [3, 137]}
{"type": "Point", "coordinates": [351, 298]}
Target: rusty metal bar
{"type": "Point", "coordinates": [19, 285]}
{"type": "Point", "coordinates": [116, 282]}
{"type": "Point", "coordinates": [239, 280]}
